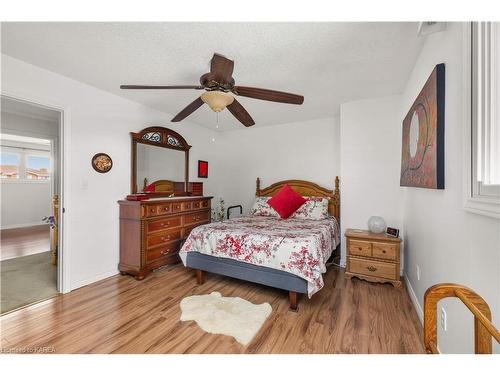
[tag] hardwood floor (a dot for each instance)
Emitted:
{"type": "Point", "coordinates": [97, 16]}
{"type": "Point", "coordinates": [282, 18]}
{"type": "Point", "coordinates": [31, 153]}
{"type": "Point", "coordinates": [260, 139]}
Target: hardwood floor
{"type": "Point", "coordinates": [123, 315]}
{"type": "Point", "coordinates": [19, 242]}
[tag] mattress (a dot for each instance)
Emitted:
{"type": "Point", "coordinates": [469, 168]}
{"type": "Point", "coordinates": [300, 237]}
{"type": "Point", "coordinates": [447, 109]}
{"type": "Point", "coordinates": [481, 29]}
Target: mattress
{"type": "Point", "coordinates": [296, 246]}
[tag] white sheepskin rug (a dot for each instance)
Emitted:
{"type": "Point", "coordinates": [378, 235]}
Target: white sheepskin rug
{"type": "Point", "coordinates": [231, 316]}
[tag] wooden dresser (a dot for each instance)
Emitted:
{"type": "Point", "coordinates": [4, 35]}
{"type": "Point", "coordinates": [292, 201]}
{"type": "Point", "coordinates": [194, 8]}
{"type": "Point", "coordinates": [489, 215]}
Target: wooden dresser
{"type": "Point", "coordinates": [373, 257]}
{"type": "Point", "coordinates": [153, 231]}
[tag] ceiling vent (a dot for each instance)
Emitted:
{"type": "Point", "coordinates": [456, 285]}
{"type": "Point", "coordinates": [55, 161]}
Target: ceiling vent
{"type": "Point", "coordinates": [430, 27]}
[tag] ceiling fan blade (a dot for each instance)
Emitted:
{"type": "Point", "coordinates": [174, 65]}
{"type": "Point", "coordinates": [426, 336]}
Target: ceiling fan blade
{"type": "Point", "coordinates": [197, 103]}
{"type": "Point", "coordinates": [270, 95]}
{"type": "Point", "coordinates": [221, 68]}
{"type": "Point", "coordinates": [146, 87]}
{"type": "Point", "coordinates": [240, 113]}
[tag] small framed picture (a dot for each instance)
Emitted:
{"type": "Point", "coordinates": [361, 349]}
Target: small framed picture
{"type": "Point", "coordinates": [102, 162]}
{"type": "Point", "coordinates": [394, 232]}
{"type": "Point", "coordinates": [202, 169]}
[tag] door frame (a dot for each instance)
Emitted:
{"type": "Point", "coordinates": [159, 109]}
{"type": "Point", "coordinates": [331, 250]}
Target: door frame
{"type": "Point", "coordinates": [64, 254]}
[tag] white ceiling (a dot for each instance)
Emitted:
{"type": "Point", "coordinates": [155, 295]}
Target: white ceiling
{"type": "Point", "coordinates": [328, 63]}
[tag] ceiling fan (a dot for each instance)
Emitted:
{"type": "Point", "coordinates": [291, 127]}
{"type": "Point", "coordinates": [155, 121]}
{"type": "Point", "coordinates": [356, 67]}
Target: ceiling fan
{"type": "Point", "coordinates": [218, 84]}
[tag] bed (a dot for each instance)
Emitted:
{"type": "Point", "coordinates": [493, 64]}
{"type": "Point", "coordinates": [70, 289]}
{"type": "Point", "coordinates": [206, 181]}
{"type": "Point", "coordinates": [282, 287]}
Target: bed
{"type": "Point", "coordinates": [289, 254]}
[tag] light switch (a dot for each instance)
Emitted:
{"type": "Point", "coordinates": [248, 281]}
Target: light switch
{"type": "Point", "coordinates": [84, 184]}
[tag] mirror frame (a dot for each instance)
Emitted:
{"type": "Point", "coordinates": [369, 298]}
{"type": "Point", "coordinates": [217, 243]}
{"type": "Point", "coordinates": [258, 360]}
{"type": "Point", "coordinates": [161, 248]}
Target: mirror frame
{"type": "Point", "coordinates": [160, 137]}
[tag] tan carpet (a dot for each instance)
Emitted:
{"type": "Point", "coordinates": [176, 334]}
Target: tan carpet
{"type": "Point", "coordinates": [27, 279]}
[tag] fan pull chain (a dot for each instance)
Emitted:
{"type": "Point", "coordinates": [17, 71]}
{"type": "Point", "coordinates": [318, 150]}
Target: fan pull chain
{"type": "Point", "coordinates": [216, 124]}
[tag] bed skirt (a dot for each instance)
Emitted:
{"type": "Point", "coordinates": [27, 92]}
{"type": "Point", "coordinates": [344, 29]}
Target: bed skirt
{"type": "Point", "coordinates": [245, 271]}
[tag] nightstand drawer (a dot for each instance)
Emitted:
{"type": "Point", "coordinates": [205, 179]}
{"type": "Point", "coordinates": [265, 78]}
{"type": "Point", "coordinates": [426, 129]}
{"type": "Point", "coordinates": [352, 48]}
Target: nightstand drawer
{"type": "Point", "coordinates": [384, 250]}
{"type": "Point", "coordinates": [362, 248]}
{"type": "Point", "coordinates": [373, 268]}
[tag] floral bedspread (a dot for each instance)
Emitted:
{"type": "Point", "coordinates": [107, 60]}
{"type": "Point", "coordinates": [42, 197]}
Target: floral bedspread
{"type": "Point", "coordinates": [298, 246]}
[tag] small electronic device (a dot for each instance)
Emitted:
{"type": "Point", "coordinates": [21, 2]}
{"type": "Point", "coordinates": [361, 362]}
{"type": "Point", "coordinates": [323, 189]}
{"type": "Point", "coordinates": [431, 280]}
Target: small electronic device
{"type": "Point", "coordinates": [392, 232]}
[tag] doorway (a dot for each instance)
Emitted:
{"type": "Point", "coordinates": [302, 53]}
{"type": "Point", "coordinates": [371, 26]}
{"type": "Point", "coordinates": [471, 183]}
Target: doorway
{"type": "Point", "coordinates": [30, 183]}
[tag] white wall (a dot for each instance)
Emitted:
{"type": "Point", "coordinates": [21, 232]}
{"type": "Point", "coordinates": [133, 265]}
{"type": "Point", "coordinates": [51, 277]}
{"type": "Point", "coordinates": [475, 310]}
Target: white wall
{"type": "Point", "coordinates": [18, 124]}
{"type": "Point", "coordinates": [25, 203]}
{"type": "Point", "coordinates": [370, 156]}
{"type": "Point", "coordinates": [98, 122]}
{"type": "Point", "coordinates": [303, 150]}
{"type": "Point", "coordinates": [448, 243]}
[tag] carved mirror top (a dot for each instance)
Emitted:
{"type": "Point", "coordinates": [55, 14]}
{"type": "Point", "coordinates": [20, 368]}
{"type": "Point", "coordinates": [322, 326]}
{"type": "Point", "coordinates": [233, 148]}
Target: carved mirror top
{"type": "Point", "coordinates": [162, 137]}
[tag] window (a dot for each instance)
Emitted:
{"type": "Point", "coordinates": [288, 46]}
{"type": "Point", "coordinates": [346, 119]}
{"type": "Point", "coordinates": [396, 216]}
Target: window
{"type": "Point", "coordinates": [24, 159]}
{"type": "Point", "coordinates": [9, 165]}
{"type": "Point", "coordinates": [38, 167]}
{"type": "Point", "coordinates": [483, 190]}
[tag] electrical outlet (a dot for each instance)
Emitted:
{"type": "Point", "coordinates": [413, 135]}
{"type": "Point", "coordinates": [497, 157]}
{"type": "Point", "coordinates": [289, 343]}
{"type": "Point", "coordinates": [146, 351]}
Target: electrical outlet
{"type": "Point", "coordinates": [418, 272]}
{"type": "Point", "coordinates": [443, 319]}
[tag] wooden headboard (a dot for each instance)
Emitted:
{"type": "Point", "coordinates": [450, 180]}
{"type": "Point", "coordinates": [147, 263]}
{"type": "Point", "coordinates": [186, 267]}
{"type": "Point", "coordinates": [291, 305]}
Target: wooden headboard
{"type": "Point", "coordinates": [306, 189]}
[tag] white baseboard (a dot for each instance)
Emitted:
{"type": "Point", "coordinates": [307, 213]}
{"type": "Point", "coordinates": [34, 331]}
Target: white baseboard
{"type": "Point", "coordinates": [15, 226]}
{"type": "Point", "coordinates": [414, 299]}
{"type": "Point", "coordinates": [93, 279]}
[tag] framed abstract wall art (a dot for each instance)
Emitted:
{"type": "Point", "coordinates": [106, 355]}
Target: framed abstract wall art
{"type": "Point", "coordinates": [422, 158]}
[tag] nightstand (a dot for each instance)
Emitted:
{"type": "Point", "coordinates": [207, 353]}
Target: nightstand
{"type": "Point", "coordinates": [373, 257]}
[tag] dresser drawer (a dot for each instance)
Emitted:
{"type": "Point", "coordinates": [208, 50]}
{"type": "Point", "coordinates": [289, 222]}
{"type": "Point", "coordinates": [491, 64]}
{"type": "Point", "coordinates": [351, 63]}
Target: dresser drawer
{"type": "Point", "coordinates": [167, 223]}
{"type": "Point", "coordinates": [373, 268]}
{"type": "Point", "coordinates": [205, 203]}
{"type": "Point", "coordinates": [362, 248]}
{"type": "Point", "coordinates": [384, 250]}
{"type": "Point", "coordinates": [198, 217]}
{"type": "Point", "coordinates": [187, 206]}
{"type": "Point", "coordinates": [163, 237]}
{"type": "Point", "coordinates": [176, 207]}
{"type": "Point", "coordinates": [164, 208]}
{"type": "Point", "coordinates": [161, 209]}
{"type": "Point", "coordinates": [162, 251]}
{"type": "Point", "coordinates": [194, 205]}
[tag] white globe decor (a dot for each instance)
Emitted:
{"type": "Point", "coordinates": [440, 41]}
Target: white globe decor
{"type": "Point", "coordinates": [376, 224]}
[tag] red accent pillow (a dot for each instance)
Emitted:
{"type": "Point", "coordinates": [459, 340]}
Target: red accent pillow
{"type": "Point", "coordinates": [151, 188]}
{"type": "Point", "coordinates": [286, 201]}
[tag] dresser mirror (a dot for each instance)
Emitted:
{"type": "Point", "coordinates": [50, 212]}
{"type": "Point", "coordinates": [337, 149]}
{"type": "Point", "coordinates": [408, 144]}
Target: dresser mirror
{"type": "Point", "coordinates": [160, 160]}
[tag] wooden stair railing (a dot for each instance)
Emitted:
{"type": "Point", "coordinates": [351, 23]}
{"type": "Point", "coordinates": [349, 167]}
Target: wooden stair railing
{"type": "Point", "coordinates": [484, 330]}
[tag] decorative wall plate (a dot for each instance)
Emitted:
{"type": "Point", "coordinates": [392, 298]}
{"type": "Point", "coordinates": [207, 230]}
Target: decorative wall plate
{"type": "Point", "coordinates": [102, 162]}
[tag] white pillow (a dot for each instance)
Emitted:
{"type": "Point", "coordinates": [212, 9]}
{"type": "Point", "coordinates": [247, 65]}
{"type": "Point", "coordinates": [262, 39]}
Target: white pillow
{"type": "Point", "coordinates": [315, 208]}
{"type": "Point", "coordinates": [262, 208]}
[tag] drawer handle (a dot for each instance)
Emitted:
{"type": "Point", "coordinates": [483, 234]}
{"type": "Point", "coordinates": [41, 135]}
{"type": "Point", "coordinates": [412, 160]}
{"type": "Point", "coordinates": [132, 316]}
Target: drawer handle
{"type": "Point", "coordinates": [165, 238]}
{"type": "Point", "coordinates": [371, 268]}
{"type": "Point", "coordinates": [163, 252]}
{"type": "Point", "coordinates": [163, 224]}
{"type": "Point", "coordinates": [383, 251]}
{"type": "Point", "coordinates": [360, 248]}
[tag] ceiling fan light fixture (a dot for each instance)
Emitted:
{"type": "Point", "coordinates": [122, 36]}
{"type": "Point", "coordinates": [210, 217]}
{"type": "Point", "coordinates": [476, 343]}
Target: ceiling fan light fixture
{"type": "Point", "coordinates": [217, 100]}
